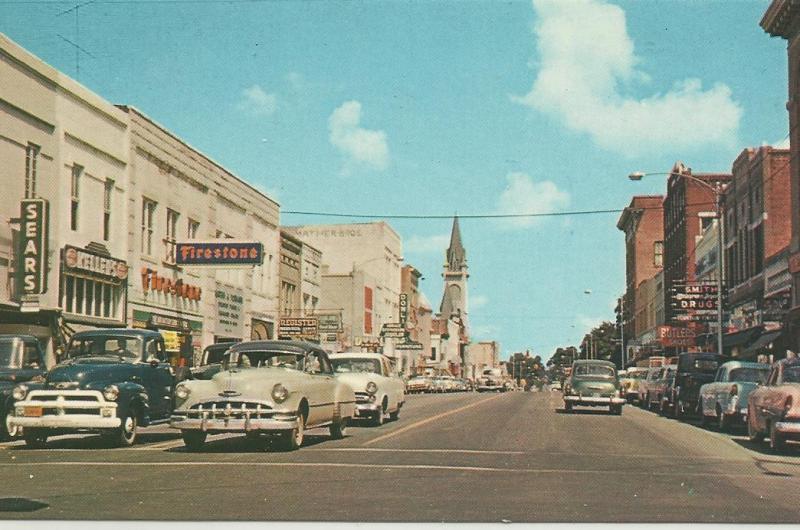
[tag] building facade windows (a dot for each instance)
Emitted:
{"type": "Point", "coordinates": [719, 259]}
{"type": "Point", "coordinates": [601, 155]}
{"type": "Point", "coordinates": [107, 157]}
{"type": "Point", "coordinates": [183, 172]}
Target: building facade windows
{"type": "Point", "coordinates": [658, 253]}
{"type": "Point", "coordinates": [92, 297]}
{"type": "Point", "coordinates": [148, 220]}
{"type": "Point", "coordinates": [192, 228]}
{"type": "Point", "coordinates": [31, 161]}
{"type": "Point", "coordinates": [170, 237]}
{"type": "Point", "coordinates": [107, 196]}
{"type": "Point", "coordinates": [75, 188]}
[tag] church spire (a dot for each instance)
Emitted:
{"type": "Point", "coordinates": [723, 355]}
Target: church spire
{"type": "Point", "coordinates": [456, 255]}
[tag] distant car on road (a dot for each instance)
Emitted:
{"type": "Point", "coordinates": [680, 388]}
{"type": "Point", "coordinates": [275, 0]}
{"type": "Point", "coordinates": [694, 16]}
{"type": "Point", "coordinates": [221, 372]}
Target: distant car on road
{"type": "Point", "coordinates": [593, 383]}
{"type": "Point", "coordinates": [658, 386]}
{"type": "Point", "coordinates": [418, 384]}
{"type": "Point", "coordinates": [630, 382]}
{"type": "Point", "coordinates": [724, 400]}
{"type": "Point", "coordinates": [491, 380]}
{"type": "Point", "coordinates": [379, 393]}
{"type": "Point", "coordinates": [649, 379]}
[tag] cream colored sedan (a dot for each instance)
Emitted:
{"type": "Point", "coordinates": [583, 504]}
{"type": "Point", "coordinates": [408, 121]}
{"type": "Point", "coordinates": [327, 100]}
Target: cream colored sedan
{"type": "Point", "coordinates": [273, 388]}
{"type": "Point", "coordinates": [379, 392]}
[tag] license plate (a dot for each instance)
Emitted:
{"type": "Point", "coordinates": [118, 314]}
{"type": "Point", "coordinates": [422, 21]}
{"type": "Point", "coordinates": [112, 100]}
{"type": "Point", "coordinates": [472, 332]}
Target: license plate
{"type": "Point", "coordinates": [33, 411]}
{"type": "Point", "coordinates": [596, 395]}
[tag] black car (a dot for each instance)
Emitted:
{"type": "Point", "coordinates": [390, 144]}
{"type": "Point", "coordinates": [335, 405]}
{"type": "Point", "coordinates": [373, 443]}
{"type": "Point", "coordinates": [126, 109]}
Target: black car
{"type": "Point", "coordinates": [21, 360]}
{"type": "Point", "coordinates": [694, 370]}
{"type": "Point", "coordinates": [211, 361]}
{"type": "Point", "coordinates": [110, 381]}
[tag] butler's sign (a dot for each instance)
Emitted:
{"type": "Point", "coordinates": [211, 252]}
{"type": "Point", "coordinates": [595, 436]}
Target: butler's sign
{"type": "Point", "coordinates": [219, 253]}
{"type": "Point", "coordinates": [33, 246]}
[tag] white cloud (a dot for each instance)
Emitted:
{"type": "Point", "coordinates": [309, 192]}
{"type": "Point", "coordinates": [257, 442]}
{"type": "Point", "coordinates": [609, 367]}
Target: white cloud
{"type": "Point", "coordinates": [426, 244]}
{"type": "Point", "coordinates": [587, 324]}
{"type": "Point", "coordinates": [477, 301]}
{"type": "Point", "coordinates": [258, 102]}
{"type": "Point", "coordinates": [586, 61]}
{"type": "Point", "coordinates": [783, 143]}
{"type": "Point", "coordinates": [523, 195]}
{"type": "Point", "coordinates": [360, 146]}
{"type": "Point", "coordinates": [486, 331]}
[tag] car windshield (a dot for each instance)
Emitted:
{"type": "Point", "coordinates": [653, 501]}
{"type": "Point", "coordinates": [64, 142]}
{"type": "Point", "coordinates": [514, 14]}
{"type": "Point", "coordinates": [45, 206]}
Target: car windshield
{"type": "Point", "coordinates": [10, 353]}
{"type": "Point", "coordinates": [749, 375]}
{"type": "Point", "coordinates": [356, 365]}
{"type": "Point", "coordinates": [124, 346]}
{"type": "Point", "coordinates": [270, 359]}
{"type": "Point", "coordinates": [593, 370]}
{"type": "Point", "coordinates": [636, 375]}
{"type": "Point", "coordinates": [791, 374]}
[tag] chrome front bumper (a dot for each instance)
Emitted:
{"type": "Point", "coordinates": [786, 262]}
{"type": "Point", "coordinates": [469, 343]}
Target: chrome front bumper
{"type": "Point", "coordinates": [366, 409]}
{"type": "Point", "coordinates": [184, 423]}
{"type": "Point", "coordinates": [57, 410]}
{"type": "Point", "coordinates": [587, 400]}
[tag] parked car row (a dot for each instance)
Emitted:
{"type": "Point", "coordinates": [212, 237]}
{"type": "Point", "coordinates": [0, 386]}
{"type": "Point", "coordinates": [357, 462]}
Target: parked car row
{"type": "Point", "coordinates": [115, 381]}
{"type": "Point", "coordinates": [439, 383]}
{"type": "Point", "coordinates": [761, 398]}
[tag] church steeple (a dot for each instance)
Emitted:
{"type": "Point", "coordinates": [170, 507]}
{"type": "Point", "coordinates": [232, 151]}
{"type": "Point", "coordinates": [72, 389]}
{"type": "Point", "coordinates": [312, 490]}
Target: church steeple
{"type": "Point", "coordinates": [456, 255]}
{"type": "Point", "coordinates": [454, 298]}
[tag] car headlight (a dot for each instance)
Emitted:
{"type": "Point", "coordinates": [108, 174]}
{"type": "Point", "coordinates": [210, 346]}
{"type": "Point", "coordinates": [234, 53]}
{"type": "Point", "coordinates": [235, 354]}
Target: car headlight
{"type": "Point", "coordinates": [371, 388]}
{"type": "Point", "coordinates": [279, 393]}
{"type": "Point", "coordinates": [19, 392]}
{"type": "Point", "coordinates": [182, 391]}
{"type": "Point", "coordinates": [111, 392]}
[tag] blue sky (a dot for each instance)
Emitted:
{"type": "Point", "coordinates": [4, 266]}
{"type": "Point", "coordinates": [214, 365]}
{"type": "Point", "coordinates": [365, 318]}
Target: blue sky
{"type": "Point", "coordinates": [474, 107]}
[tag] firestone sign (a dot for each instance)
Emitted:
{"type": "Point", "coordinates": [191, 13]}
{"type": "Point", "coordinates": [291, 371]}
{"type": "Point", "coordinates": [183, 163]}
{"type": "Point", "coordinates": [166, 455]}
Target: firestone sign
{"type": "Point", "coordinates": [219, 253]}
{"type": "Point", "coordinates": [33, 262]}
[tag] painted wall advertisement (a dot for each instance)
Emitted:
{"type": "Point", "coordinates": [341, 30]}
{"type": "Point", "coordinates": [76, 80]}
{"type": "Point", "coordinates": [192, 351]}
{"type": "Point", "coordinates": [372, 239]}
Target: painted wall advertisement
{"type": "Point", "coordinates": [229, 304]}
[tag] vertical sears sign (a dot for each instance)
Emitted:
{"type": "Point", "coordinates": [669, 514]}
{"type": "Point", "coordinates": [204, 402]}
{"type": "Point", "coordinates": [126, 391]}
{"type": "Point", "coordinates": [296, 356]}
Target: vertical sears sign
{"type": "Point", "coordinates": [32, 263]}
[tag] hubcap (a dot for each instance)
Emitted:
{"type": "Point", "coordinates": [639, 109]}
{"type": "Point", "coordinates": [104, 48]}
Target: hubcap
{"type": "Point", "coordinates": [298, 437]}
{"type": "Point", "coordinates": [129, 424]}
{"type": "Point", "coordinates": [11, 429]}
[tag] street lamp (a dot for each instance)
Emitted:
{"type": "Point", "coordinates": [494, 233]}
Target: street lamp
{"type": "Point", "coordinates": [718, 190]}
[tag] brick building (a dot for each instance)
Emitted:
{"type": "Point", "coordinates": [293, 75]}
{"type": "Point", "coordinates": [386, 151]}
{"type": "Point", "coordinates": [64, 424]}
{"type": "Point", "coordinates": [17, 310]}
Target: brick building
{"type": "Point", "coordinates": [782, 19]}
{"type": "Point", "coordinates": [686, 198]}
{"type": "Point", "coordinates": [643, 224]}
{"type": "Point", "coordinates": [757, 233]}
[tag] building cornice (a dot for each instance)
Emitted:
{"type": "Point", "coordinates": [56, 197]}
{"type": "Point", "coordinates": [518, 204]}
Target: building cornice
{"type": "Point", "coordinates": [781, 18]}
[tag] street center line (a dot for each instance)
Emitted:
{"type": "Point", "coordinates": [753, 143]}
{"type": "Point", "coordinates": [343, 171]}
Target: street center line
{"type": "Point", "coordinates": [427, 420]}
{"type": "Point", "coordinates": [385, 466]}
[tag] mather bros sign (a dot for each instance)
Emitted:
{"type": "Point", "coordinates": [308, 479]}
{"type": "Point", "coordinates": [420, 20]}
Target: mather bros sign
{"type": "Point", "coordinates": [33, 245]}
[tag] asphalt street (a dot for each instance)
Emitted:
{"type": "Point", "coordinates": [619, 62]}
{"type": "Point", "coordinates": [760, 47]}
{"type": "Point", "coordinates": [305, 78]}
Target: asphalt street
{"type": "Point", "coordinates": [455, 457]}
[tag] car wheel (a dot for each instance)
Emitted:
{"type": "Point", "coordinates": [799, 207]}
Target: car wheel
{"type": "Point", "coordinates": [393, 416]}
{"type": "Point", "coordinates": [35, 439]}
{"type": "Point", "coordinates": [703, 419]}
{"type": "Point", "coordinates": [616, 410]}
{"type": "Point", "coordinates": [125, 434]}
{"type": "Point", "coordinates": [194, 440]}
{"type": "Point", "coordinates": [777, 441]}
{"type": "Point", "coordinates": [293, 439]}
{"type": "Point", "coordinates": [680, 411]}
{"type": "Point", "coordinates": [567, 406]}
{"type": "Point", "coordinates": [753, 434]}
{"type": "Point", "coordinates": [338, 428]}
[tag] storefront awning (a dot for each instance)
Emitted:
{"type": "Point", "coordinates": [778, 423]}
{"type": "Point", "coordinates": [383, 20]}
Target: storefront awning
{"type": "Point", "coordinates": [763, 342]}
{"type": "Point", "coordinates": [740, 337]}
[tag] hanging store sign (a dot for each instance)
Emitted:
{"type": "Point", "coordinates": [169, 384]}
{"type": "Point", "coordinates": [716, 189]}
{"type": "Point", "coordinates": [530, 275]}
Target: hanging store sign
{"type": "Point", "coordinates": [298, 328]}
{"type": "Point", "coordinates": [329, 323]}
{"type": "Point", "coordinates": [672, 336]}
{"type": "Point", "coordinates": [219, 253]}
{"type": "Point", "coordinates": [78, 259]}
{"type": "Point", "coordinates": [403, 309]}
{"type": "Point", "coordinates": [32, 268]}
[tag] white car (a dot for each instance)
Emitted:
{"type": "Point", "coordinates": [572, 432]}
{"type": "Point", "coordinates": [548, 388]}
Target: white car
{"type": "Point", "coordinates": [275, 388]}
{"type": "Point", "coordinates": [379, 393]}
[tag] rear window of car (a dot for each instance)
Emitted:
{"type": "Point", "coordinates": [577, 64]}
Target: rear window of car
{"type": "Point", "coordinates": [597, 370]}
{"type": "Point", "coordinates": [706, 365]}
